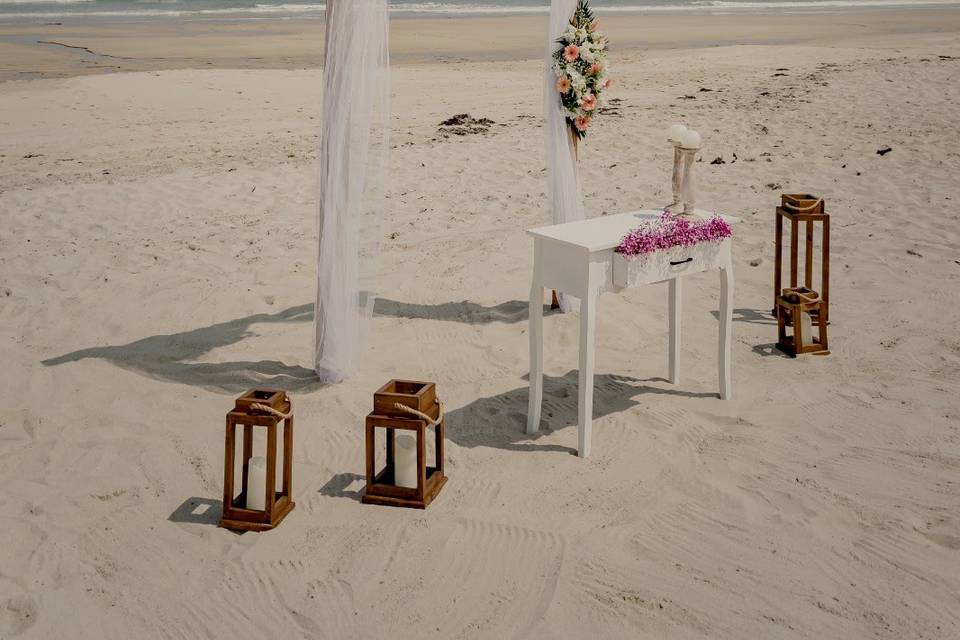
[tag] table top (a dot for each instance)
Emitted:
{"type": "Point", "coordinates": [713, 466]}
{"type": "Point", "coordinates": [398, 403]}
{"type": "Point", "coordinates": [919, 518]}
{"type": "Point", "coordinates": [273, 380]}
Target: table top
{"type": "Point", "coordinates": [604, 232]}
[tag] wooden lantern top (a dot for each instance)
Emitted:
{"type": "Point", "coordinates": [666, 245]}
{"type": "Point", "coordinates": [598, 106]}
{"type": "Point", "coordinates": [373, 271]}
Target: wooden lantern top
{"type": "Point", "coordinates": [268, 397]}
{"type": "Point", "coordinates": [801, 295]}
{"type": "Point", "coordinates": [421, 396]}
{"type": "Point", "coordinates": [802, 207]}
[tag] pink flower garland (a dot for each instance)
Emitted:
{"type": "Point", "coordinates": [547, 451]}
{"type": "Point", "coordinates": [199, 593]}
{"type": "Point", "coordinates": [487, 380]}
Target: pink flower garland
{"type": "Point", "coordinates": [670, 231]}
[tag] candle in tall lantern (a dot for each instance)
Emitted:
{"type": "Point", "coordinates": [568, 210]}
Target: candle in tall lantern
{"type": "Point", "coordinates": [806, 328]}
{"type": "Point", "coordinates": [257, 483]}
{"type": "Point", "coordinates": [405, 461]}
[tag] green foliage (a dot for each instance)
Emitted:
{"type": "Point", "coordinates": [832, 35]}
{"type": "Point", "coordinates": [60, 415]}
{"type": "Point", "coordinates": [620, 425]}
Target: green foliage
{"type": "Point", "coordinates": [583, 13]}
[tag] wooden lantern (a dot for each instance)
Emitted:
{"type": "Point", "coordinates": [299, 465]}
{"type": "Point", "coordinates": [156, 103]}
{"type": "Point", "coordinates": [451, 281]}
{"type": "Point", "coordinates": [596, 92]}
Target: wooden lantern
{"type": "Point", "coordinates": [406, 406]}
{"type": "Point", "coordinates": [810, 211]}
{"type": "Point", "coordinates": [258, 408]}
{"type": "Point", "coordinates": [793, 303]}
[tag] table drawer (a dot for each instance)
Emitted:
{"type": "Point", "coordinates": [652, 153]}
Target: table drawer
{"type": "Point", "coordinates": [665, 265]}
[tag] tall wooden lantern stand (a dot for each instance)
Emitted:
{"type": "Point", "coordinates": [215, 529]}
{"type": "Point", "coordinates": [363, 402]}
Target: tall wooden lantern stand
{"type": "Point", "coordinates": [258, 506]}
{"type": "Point", "coordinates": [408, 479]}
{"type": "Point", "coordinates": [792, 302]}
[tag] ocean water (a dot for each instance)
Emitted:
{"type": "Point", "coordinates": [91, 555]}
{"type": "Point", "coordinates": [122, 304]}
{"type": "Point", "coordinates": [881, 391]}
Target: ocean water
{"type": "Point", "coordinates": [53, 10]}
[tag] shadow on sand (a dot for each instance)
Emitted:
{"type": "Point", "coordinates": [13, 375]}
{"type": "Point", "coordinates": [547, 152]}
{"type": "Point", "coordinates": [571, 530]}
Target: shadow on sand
{"type": "Point", "coordinates": [752, 316]}
{"type": "Point", "coordinates": [769, 350]}
{"type": "Point", "coordinates": [168, 357]}
{"type": "Point", "coordinates": [500, 421]}
{"type": "Point", "coordinates": [465, 312]}
{"type": "Point", "coordinates": [172, 357]}
{"type": "Point", "coordinates": [345, 485]}
{"type": "Point", "coordinates": [198, 511]}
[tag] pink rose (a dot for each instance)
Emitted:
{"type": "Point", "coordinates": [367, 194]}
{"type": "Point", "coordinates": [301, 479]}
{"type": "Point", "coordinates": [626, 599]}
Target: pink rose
{"type": "Point", "coordinates": [582, 123]}
{"type": "Point", "coordinates": [595, 68]}
{"type": "Point", "coordinates": [588, 103]}
{"type": "Point", "coordinates": [571, 52]}
{"type": "Point", "coordinates": [563, 84]}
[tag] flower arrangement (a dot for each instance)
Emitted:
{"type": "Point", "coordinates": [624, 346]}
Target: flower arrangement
{"type": "Point", "coordinates": [580, 64]}
{"type": "Point", "coordinates": [670, 231]}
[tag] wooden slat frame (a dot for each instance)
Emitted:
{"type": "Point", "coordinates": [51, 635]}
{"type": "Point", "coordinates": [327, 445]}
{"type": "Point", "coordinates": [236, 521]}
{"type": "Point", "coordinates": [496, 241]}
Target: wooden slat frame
{"type": "Point", "coordinates": [277, 503]}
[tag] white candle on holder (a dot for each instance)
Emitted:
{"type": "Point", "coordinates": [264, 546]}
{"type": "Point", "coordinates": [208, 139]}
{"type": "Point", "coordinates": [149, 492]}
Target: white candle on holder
{"type": "Point", "coordinates": [674, 133]}
{"type": "Point", "coordinates": [257, 483]}
{"type": "Point", "coordinates": [405, 461]}
{"type": "Point", "coordinates": [806, 328]}
{"type": "Point", "coordinates": [690, 139]}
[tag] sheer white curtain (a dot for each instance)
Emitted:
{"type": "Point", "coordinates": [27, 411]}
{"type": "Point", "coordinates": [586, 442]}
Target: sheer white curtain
{"type": "Point", "coordinates": [566, 198]}
{"type": "Point", "coordinates": [353, 154]}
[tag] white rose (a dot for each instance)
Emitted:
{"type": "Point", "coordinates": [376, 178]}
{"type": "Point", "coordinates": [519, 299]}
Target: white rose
{"type": "Point", "coordinates": [577, 80]}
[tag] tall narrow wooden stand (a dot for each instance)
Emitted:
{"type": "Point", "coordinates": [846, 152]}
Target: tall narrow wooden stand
{"type": "Point", "coordinates": [789, 302]}
{"type": "Point", "coordinates": [809, 211]}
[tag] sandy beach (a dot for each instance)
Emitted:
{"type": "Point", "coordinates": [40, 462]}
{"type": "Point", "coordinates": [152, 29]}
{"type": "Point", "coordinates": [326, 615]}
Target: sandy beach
{"type": "Point", "coordinates": [157, 257]}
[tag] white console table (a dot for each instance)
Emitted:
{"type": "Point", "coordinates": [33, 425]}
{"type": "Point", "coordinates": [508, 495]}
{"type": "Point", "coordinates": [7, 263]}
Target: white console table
{"type": "Point", "coordinates": [577, 258]}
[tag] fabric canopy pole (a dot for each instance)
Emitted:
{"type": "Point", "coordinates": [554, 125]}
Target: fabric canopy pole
{"type": "Point", "coordinates": [353, 154]}
{"type": "Point", "coordinates": [566, 199]}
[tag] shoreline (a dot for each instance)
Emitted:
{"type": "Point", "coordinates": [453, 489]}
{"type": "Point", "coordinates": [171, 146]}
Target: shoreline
{"type": "Point", "coordinates": [73, 49]}
{"type": "Point", "coordinates": [417, 12]}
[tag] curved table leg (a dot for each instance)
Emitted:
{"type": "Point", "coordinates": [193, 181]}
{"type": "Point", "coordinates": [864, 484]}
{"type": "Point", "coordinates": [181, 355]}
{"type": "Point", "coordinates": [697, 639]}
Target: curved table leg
{"type": "Point", "coordinates": [726, 320]}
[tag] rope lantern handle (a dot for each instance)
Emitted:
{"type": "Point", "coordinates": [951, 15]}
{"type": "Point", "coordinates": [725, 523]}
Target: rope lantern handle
{"type": "Point", "coordinates": [421, 414]}
{"type": "Point", "coordinates": [268, 409]}
{"type": "Point", "coordinates": [793, 207]}
{"type": "Point", "coordinates": [799, 295]}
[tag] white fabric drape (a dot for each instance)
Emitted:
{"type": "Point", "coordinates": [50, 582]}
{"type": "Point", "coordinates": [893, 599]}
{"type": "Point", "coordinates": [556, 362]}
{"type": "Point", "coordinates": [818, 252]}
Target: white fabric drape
{"type": "Point", "coordinates": [353, 153]}
{"type": "Point", "coordinates": [566, 199]}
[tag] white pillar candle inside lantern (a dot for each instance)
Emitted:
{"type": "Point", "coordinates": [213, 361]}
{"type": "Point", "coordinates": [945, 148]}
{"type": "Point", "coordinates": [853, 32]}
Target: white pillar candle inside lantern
{"type": "Point", "coordinates": [257, 483]}
{"type": "Point", "coordinates": [405, 461]}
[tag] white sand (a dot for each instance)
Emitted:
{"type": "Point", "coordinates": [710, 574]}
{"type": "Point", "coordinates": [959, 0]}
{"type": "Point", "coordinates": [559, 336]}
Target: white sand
{"type": "Point", "coordinates": [156, 259]}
